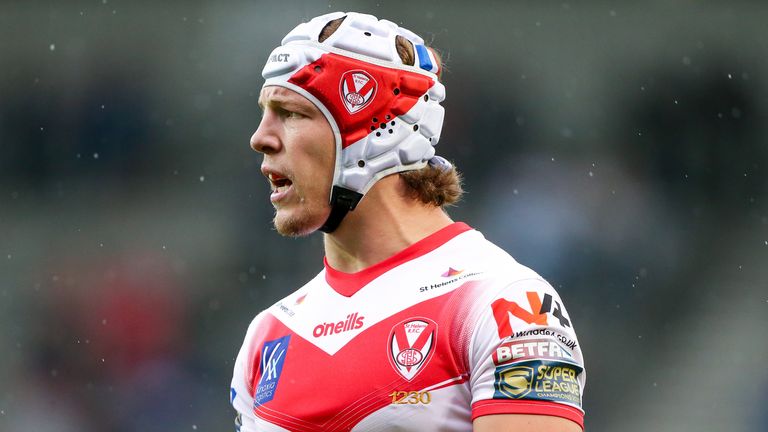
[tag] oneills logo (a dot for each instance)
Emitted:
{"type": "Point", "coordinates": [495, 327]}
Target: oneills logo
{"type": "Point", "coordinates": [357, 90]}
{"type": "Point", "coordinates": [352, 322]}
{"type": "Point", "coordinates": [411, 343]}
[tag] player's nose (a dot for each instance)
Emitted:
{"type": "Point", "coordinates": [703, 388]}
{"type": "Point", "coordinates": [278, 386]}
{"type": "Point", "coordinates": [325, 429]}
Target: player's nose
{"type": "Point", "coordinates": [266, 139]}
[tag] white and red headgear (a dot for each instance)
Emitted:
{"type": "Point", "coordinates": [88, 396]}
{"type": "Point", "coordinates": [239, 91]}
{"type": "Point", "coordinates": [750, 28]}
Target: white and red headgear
{"type": "Point", "coordinates": [385, 115]}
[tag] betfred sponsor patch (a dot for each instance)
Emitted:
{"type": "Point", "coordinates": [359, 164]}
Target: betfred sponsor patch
{"type": "Point", "coordinates": [539, 349]}
{"type": "Point", "coordinates": [541, 380]}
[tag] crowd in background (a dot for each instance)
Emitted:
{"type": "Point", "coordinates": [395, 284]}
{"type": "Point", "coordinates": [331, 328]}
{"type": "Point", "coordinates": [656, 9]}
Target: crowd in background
{"type": "Point", "coordinates": [620, 151]}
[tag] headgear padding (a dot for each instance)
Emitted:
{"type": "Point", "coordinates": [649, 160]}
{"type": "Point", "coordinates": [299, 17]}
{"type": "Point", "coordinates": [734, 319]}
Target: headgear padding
{"type": "Point", "coordinates": [385, 115]}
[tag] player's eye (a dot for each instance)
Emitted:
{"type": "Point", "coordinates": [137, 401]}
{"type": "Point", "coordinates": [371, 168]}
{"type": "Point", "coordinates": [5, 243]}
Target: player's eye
{"type": "Point", "coordinates": [293, 115]}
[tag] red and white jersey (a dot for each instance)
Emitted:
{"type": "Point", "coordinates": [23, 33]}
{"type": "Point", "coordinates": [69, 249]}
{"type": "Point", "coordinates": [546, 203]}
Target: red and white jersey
{"type": "Point", "coordinates": [447, 330]}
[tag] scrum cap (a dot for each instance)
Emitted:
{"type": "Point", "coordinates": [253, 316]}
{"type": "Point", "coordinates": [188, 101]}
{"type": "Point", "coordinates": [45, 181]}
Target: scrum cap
{"type": "Point", "coordinates": [385, 115]}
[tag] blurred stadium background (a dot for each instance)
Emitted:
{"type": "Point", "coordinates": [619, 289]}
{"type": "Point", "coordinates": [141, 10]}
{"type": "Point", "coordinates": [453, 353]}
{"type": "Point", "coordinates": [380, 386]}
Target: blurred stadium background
{"type": "Point", "coordinates": [618, 148]}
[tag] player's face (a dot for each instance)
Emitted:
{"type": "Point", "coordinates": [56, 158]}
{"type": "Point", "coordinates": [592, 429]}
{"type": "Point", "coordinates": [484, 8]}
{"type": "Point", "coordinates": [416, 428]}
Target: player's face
{"type": "Point", "coordinates": [299, 156]}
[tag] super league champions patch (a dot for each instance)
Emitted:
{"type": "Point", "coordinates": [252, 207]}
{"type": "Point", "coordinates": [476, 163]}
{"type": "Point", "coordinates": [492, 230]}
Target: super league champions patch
{"type": "Point", "coordinates": [271, 367]}
{"type": "Point", "coordinates": [411, 344]}
{"type": "Point", "coordinates": [540, 380]}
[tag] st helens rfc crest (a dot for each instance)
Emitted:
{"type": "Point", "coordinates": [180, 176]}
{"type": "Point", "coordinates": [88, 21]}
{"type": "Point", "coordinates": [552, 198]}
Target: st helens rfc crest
{"type": "Point", "coordinates": [411, 344]}
{"type": "Point", "coordinates": [357, 90]}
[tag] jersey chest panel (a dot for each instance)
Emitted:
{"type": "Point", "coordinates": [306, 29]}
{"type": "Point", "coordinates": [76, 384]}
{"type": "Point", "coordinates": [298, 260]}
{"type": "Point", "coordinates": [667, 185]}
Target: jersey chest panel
{"type": "Point", "coordinates": [397, 362]}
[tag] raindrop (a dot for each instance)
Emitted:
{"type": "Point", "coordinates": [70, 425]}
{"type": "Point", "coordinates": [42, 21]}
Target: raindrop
{"type": "Point", "coordinates": [202, 179]}
{"type": "Point", "coordinates": [95, 155]}
{"type": "Point", "coordinates": [52, 47]}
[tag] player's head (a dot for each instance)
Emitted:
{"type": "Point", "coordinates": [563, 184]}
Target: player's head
{"type": "Point", "coordinates": [377, 86]}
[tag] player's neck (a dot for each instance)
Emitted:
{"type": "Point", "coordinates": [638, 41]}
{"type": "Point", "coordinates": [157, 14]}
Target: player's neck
{"type": "Point", "coordinates": [384, 223]}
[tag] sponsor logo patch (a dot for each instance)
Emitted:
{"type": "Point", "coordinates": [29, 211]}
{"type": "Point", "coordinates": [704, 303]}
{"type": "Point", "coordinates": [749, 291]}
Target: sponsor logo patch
{"type": "Point", "coordinates": [542, 380]}
{"type": "Point", "coordinates": [282, 57]}
{"type": "Point", "coordinates": [272, 359]}
{"type": "Point", "coordinates": [542, 349]}
{"type": "Point", "coordinates": [452, 272]}
{"type": "Point", "coordinates": [353, 321]}
{"type": "Point", "coordinates": [300, 299]}
{"type": "Point", "coordinates": [358, 88]}
{"type": "Point", "coordinates": [536, 314]}
{"type": "Point", "coordinates": [411, 344]}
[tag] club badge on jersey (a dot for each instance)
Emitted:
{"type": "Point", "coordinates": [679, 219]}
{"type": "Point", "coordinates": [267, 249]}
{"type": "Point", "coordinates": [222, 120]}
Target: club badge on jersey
{"type": "Point", "coordinates": [385, 115]}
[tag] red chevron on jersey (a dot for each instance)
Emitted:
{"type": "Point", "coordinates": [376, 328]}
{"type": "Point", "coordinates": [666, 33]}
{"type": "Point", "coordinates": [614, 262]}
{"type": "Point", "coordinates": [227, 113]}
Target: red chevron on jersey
{"type": "Point", "coordinates": [312, 394]}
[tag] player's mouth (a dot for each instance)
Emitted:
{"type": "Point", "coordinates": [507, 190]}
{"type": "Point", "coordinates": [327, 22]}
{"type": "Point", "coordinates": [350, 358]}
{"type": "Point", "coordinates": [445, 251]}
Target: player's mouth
{"type": "Point", "coordinates": [280, 186]}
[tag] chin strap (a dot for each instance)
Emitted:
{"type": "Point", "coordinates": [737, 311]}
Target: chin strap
{"type": "Point", "coordinates": [342, 202]}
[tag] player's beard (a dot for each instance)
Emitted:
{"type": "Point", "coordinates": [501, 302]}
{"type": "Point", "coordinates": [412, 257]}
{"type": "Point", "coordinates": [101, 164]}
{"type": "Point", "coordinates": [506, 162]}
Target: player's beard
{"type": "Point", "coordinates": [308, 219]}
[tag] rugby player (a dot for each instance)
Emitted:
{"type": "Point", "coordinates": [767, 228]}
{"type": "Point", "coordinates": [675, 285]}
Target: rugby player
{"type": "Point", "coordinates": [415, 322]}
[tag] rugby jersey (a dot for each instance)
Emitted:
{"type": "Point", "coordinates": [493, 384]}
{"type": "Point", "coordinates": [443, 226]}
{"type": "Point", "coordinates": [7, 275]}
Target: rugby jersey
{"type": "Point", "coordinates": [448, 329]}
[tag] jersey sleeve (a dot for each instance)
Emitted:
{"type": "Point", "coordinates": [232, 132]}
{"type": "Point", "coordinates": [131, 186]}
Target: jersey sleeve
{"type": "Point", "coordinates": [241, 393]}
{"type": "Point", "coordinates": [524, 357]}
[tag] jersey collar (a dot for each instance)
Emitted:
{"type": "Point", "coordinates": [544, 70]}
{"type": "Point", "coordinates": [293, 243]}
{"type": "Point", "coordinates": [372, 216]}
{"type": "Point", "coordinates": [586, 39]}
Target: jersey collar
{"type": "Point", "coordinates": [347, 284]}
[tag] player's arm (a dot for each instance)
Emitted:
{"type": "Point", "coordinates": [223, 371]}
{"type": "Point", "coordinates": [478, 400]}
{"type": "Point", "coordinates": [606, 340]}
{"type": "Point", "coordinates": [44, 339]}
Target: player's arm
{"type": "Point", "coordinates": [523, 423]}
{"type": "Point", "coordinates": [525, 362]}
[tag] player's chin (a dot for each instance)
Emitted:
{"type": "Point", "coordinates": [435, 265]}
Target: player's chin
{"type": "Point", "coordinates": [298, 222]}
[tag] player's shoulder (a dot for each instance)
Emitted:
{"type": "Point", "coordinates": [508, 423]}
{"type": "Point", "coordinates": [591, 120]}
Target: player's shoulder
{"type": "Point", "coordinates": [286, 303]}
{"type": "Point", "coordinates": [496, 262]}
